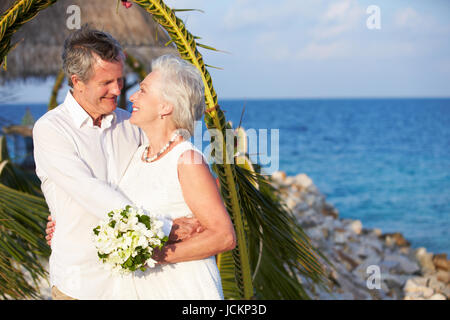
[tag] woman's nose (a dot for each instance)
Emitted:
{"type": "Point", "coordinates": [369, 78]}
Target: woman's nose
{"type": "Point", "coordinates": [132, 98]}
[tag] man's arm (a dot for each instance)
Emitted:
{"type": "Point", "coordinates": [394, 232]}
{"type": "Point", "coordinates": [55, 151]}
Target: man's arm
{"type": "Point", "coordinates": [55, 155]}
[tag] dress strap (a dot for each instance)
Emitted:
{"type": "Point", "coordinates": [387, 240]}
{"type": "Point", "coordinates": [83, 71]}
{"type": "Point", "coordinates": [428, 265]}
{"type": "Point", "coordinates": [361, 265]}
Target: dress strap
{"type": "Point", "coordinates": [184, 146]}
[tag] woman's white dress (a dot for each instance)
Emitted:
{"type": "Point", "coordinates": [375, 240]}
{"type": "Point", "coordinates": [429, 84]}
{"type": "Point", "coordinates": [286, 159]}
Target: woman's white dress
{"type": "Point", "coordinates": [155, 187]}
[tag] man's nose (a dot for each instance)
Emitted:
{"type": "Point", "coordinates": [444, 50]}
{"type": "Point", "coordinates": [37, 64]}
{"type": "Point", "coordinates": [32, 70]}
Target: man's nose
{"type": "Point", "coordinates": [117, 89]}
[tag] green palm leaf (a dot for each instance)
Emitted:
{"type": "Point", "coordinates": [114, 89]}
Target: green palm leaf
{"type": "Point", "coordinates": [23, 214]}
{"type": "Point", "coordinates": [20, 12]}
{"type": "Point", "coordinates": [286, 249]}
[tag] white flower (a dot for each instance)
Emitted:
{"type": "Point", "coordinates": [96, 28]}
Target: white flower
{"type": "Point", "coordinates": [151, 263]}
{"type": "Point", "coordinates": [119, 237]}
{"type": "Point", "coordinates": [157, 224]}
{"type": "Point", "coordinates": [143, 242]}
{"type": "Point", "coordinates": [160, 234]}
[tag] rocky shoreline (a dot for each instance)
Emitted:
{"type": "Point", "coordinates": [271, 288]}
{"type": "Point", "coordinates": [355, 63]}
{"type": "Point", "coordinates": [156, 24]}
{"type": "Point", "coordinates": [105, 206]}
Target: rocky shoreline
{"type": "Point", "coordinates": [368, 264]}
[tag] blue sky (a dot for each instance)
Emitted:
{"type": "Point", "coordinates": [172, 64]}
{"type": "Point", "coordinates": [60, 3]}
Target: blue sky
{"type": "Point", "coordinates": [317, 48]}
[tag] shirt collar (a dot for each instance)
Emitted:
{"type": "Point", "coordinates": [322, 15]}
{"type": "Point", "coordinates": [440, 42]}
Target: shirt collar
{"type": "Point", "coordinates": [81, 117]}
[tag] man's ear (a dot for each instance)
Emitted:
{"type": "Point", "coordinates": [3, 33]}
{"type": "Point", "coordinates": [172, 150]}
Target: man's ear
{"type": "Point", "coordinates": [78, 85]}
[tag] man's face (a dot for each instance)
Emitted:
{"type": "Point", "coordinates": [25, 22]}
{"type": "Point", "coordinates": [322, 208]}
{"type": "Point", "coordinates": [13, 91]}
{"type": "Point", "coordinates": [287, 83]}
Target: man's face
{"type": "Point", "coordinates": [98, 95]}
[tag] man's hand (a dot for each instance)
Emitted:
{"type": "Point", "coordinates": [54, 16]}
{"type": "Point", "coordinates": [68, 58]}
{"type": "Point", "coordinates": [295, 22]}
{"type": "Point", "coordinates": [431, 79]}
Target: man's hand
{"type": "Point", "coordinates": [184, 228]}
{"type": "Point", "coordinates": [49, 231]}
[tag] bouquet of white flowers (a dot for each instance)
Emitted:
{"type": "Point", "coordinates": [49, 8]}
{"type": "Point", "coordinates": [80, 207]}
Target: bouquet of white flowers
{"type": "Point", "coordinates": [125, 241]}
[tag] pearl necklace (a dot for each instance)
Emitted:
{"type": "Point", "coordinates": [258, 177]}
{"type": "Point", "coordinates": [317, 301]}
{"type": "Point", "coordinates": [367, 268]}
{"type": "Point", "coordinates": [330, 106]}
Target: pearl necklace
{"type": "Point", "coordinates": [148, 159]}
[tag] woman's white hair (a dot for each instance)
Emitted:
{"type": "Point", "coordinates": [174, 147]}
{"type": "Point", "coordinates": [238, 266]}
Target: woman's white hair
{"type": "Point", "coordinates": [182, 86]}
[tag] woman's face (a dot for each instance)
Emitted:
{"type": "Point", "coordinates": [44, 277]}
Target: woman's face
{"type": "Point", "coordinates": [147, 101]}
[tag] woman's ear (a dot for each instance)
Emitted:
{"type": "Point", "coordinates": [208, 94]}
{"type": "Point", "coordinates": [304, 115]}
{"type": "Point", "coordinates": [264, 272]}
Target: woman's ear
{"type": "Point", "coordinates": [166, 109]}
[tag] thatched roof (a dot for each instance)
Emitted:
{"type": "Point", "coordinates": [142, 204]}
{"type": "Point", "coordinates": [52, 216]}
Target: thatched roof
{"type": "Point", "coordinates": [41, 39]}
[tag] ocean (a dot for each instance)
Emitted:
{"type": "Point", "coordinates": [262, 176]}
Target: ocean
{"type": "Point", "coordinates": [385, 162]}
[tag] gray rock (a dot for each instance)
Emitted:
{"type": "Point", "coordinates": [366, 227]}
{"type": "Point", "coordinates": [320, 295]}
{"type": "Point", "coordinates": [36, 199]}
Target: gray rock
{"type": "Point", "coordinates": [278, 176]}
{"type": "Point", "coordinates": [340, 236]}
{"type": "Point", "coordinates": [404, 265]}
{"type": "Point", "coordinates": [443, 276]}
{"type": "Point", "coordinates": [361, 272]}
{"type": "Point", "coordinates": [362, 249]}
{"type": "Point", "coordinates": [446, 291]}
{"type": "Point", "coordinates": [441, 262]}
{"type": "Point", "coordinates": [314, 233]}
{"type": "Point", "coordinates": [355, 226]}
{"type": "Point", "coordinates": [388, 265]}
{"type": "Point", "coordinates": [425, 261]}
{"type": "Point", "coordinates": [301, 207]}
{"type": "Point", "coordinates": [393, 280]}
{"type": "Point", "coordinates": [329, 210]}
{"type": "Point", "coordinates": [303, 180]}
{"type": "Point", "coordinates": [434, 283]}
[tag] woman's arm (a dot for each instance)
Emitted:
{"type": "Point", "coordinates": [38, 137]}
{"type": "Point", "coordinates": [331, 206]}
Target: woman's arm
{"type": "Point", "coordinates": [203, 198]}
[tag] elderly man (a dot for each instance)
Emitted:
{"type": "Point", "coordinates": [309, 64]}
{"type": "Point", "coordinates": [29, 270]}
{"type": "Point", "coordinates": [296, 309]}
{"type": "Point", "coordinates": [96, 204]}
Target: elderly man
{"type": "Point", "coordinates": [82, 148]}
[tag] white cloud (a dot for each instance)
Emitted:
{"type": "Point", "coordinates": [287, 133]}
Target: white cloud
{"type": "Point", "coordinates": [317, 51]}
{"type": "Point", "coordinates": [338, 18]}
{"type": "Point", "coordinates": [407, 18]}
{"type": "Point", "coordinates": [327, 36]}
{"type": "Point", "coordinates": [267, 14]}
{"type": "Point", "coordinates": [420, 23]}
{"type": "Point", "coordinates": [337, 10]}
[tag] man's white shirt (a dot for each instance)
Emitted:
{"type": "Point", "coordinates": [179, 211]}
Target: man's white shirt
{"type": "Point", "coordinates": [80, 166]}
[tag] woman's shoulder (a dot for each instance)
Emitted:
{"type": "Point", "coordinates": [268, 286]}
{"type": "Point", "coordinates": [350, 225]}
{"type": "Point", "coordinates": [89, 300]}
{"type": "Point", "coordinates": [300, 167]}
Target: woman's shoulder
{"type": "Point", "coordinates": [187, 153]}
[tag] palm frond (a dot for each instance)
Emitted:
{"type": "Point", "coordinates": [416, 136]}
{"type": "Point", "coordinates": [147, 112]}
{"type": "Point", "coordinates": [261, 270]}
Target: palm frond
{"type": "Point", "coordinates": [210, 66]}
{"type": "Point", "coordinates": [53, 103]}
{"type": "Point", "coordinates": [23, 214]}
{"type": "Point", "coordinates": [20, 12]}
{"type": "Point", "coordinates": [287, 251]}
{"type": "Point", "coordinates": [184, 10]}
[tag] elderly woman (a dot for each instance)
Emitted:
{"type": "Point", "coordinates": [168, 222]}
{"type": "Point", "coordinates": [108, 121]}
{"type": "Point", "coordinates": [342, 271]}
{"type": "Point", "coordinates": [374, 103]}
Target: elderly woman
{"type": "Point", "coordinates": [170, 177]}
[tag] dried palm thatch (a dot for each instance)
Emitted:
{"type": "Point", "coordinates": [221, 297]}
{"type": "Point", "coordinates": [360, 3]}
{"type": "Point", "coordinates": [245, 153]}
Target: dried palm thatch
{"type": "Point", "coordinates": [41, 40]}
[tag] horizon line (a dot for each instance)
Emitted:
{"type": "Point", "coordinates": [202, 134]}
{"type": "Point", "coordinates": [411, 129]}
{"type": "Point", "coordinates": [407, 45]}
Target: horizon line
{"type": "Point", "coordinates": [282, 98]}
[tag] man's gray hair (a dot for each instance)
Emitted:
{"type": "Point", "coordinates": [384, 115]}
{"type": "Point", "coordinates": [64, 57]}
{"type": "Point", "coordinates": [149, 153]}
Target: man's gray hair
{"type": "Point", "coordinates": [182, 86]}
{"type": "Point", "coordinates": [80, 49]}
